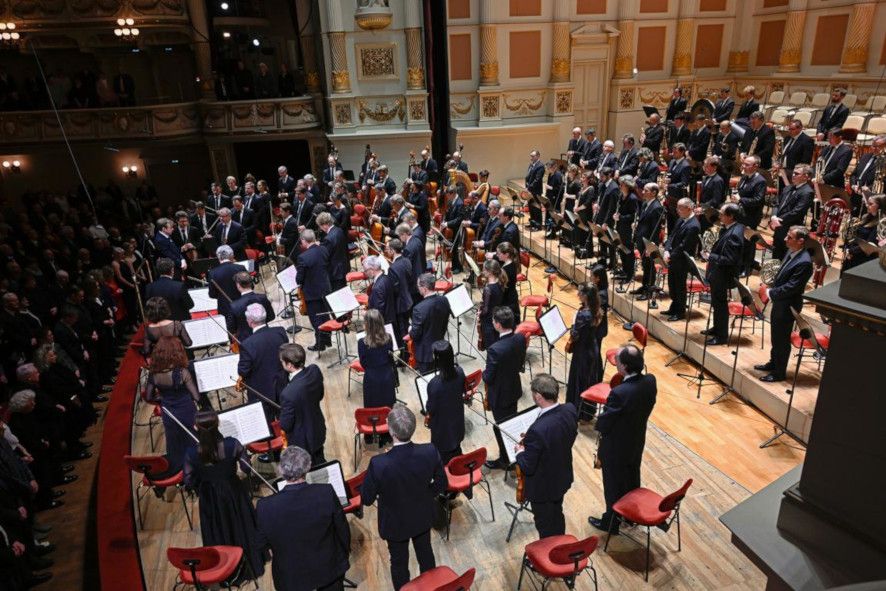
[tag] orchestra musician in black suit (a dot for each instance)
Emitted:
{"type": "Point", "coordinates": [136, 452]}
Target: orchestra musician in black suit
{"type": "Point", "coordinates": [786, 292]}
{"type": "Point", "coordinates": [678, 131]}
{"type": "Point", "coordinates": [429, 165]}
{"type": "Point", "coordinates": [285, 183]}
{"type": "Point", "coordinates": [724, 105]}
{"type": "Point", "coordinates": [339, 207]}
{"type": "Point", "coordinates": [593, 148]}
{"type": "Point", "coordinates": [301, 417]}
{"type": "Point", "coordinates": [221, 279]}
{"type": "Point", "coordinates": [648, 170]}
{"type": "Point", "coordinates": [679, 181]}
{"type": "Point", "coordinates": [798, 148]}
{"type": "Point", "coordinates": [791, 208]}
{"type": "Point", "coordinates": [303, 209]}
{"type": "Point", "coordinates": [534, 186]}
{"type": "Point", "coordinates": [545, 456]}
{"type": "Point", "coordinates": [414, 252]}
{"type": "Point", "coordinates": [216, 198]}
{"type": "Point", "coordinates": [684, 239]}
{"type": "Point", "coordinates": [624, 222]}
{"type": "Point", "coordinates": [835, 158]}
{"type": "Point", "coordinates": [383, 296]}
{"type": "Point", "coordinates": [401, 271]}
{"type": "Point", "coordinates": [765, 141]}
{"type": "Point", "coordinates": [417, 175]}
{"type": "Point", "coordinates": [865, 173]}
{"type": "Point", "coordinates": [430, 318]}
{"type": "Point", "coordinates": [713, 191]}
{"type": "Point", "coordinates": [725, 148]}
{"type": "Point", "coordinates": [288, 237]}
{"type": "Point", "coordinates": [699, 140]}
{"type": "Point", "coordinates": [504, 363]}
{"type": "Point", "coordinates": [174, 292]}
{"type": "Point", "coordinates": [553, 190]}
{"type": "Point", "coordinates": [724, 262]}
{"type": "Point", "coordinates": [405, 481]}
{"type": "Point", "coordinates": [629, 158]}
{"type": "Point", "coordinates": [202, 220]}
{"type": "Point", "coordinates": [492, 231]}
{"type": "Point", "coordinates": [676, 105]}
{"type": "Point", "coordinates": [165, 247]}
{"type": "Point", "coordinates": [446, 404]}
{"type": "Point", "coordinates": [751, 198]}
{"type": "Point", "coordinates": [185, 234]}
{"type": "Point", "coordinates": [750, 105]}
{"type": "Point", "coordinates": [312, 276]}
{"type": "Point", "coordinates": [229, 232]}
{"type": "Point", "coordinates": [236, 318]}
{"type": "Point", "coordinates": [332, 166]}
{"type": "Point", "coordinates": [244, 216]}
{"type": "Point", "coordinates": [455, 215]}
{"type": "Point", "coordinates": [834, 115]}
{"type": "Point", "coordinates": [305, 528]}
{"type": "Point", "coordinates": [259, 363]}
{"type": "Point", "coordinates": [336, 244]}
{"type": "Point", "coordinates": [648, 227]}
{"type": "Point", "coordinates": [576, 147]}
{"type": "Point", "coordinates": [604, 210]}
{"type": "Point", "coordinates": [459, 163]}
{"type": "Point", "coordinates": [622, 427]}
{"type": "Point", "coordinates": [510, 232]}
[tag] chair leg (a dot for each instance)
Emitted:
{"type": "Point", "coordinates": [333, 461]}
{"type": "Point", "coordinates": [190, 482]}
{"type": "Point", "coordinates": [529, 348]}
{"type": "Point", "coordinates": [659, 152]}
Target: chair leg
{"type": "Point", "coordinates": [594, 571]}
{"type": "Point", "coordinates": [522, 569]}
{"type": "Point", "coordinates": [138, 506]}
{"type": "Point", "coordinates": [489, 493]}
{"type": "Point", "coordinates": [356, 442]}
{"type": "Point", "coordinates": [648, 546]}
{"type": "Point", "coordinates": [181, 491]}
{"type": "Point", "coordinates": [448, 518]}
{"type": "Point", "coordinates": [608, 534]}
{"type": "Point", "coordinates": [679, 542]}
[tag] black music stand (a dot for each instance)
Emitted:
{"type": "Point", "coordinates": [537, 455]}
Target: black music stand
{"type": "Point", "coordinates": [595, 232]}
{"type": "Point", "coordinates": [200, 267]}
{"type": "Point", "coordinates": [553, 328]}
{"type": "Point", "coordinates": [545, 205]}
{"type": "Point", "coordinates": [209, 244]}
{"type": "Point", "coordinates": [751, 301]}
{"type": "Point", "coordinates": [806, 334]}
{"type": "Point", "coordinates": [700, 378]}
{"type": "Point", "coordinates": [753, 236]}
{"type": "Point", "coordinates": [693, 272]}
{"type": "Point", "coordinates": [458, 335]}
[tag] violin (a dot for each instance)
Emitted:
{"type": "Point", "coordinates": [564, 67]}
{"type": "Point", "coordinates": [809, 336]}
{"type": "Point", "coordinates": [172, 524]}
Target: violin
{"type": "Point", "coordinates": [235, 348]}
{"type": "Point", "coordinates": [428, 420]}
{"type": "Point", "coordinates": [521, 480]}
{"type": "Point", "coordinates": [570, 344]}
{"type": "Point", "coordinates": [410, 348]}
{"type": "Point", "coordinates": [302, 302]}
{"type": "Point", "coordinates": [240, 386]}
{"type": "Point", "coordinates": [480, 344]}
{"type": "Point", "coordinates": [486, 397]}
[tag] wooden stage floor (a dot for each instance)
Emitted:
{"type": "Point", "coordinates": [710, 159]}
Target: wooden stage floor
{"type": "Point", "coordinates": [714, 445]}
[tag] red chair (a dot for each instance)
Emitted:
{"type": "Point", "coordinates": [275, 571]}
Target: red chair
{"type": "Point", "coordinates": [738, 310]}
{"type": "Point", "coordinates": [462, 473]}
{"type": "Point", "coordinates": [599, 393]}
{"type": "Point", "coordinates": [354, 367]}
{"type": "Point", "coordinates": [338, 327]}
{"type": "Point", "coordinates": [648, 508]}
{"type": "Point", "coordinates": [354, 486]}
{"type": "Point", "coordinates": [534, 301]}
{"type": "Point", "coordinates": [369, 421]}
{"type": "Point", "coordinates": [523, 277]}
{"type": "Point", "coordinates": [472, 390]}
{"type": "Point", "coordinates": [819, 346]}
{"type": "Point", "coordinates": [156, 411]}
{"type": "Point", "coordinates": [529, 329]}
{"type": "Point", "coordinates": [638, 333]}
{"type": "Point", "coordinates": [441, 578]}
{"type": "Point", "coordinates": [148, 465]}
{"type": "Point", "coordinates": [209, 565]}
{"type": "Point", "coordinates": [444, 285]}
{"type": "Point", "coordinates": [269, 445]}
{"type": "Point", "coordinates": [559, 557]}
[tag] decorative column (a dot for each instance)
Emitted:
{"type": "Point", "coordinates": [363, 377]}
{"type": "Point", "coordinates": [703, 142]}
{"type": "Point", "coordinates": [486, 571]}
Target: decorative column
{"type": "Point", "coordinates": [792, 44]}
{"type": "Point", "coordinates": [338, 56]}
{"type": "Point", "coordinates": [858, 38]}
{"type": "Point", "coordinates": [415, 55]}
{"type": "Point", "coordinates": [308, 47]}
{"type": "Point", "coordinates": [682, 62]}
{"type": "Point", "coordinates": [201, 47]}
{"type": "Point", "coordinates": [560, 52]}
{"type": "Point", "coordinates": [624, 53]}
{"type": "Point", "coordinates": [739, 52]}
{"type": "Point", "coordinates": [488, 55]}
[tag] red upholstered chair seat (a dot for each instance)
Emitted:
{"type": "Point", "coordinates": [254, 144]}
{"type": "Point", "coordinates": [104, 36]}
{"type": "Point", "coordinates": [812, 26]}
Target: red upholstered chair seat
{"type": "Point", "coordinates": [442, 285]}
{"type": "Point", "coordinates": [362, 299]}
{"type": "Point", "coordinates": [539, 553]}
{"type": "Point", "coordinates": [696, 286]}
{"type": "Point", "coordinates": [165, 482]}
{"type": "Point", "coordinates": [521, 276]}
{"type": "Point", "coordinates": [641, 506]}
{"type": "Point", "coordinates": [356, 366]}
{"type": "Point", "coordinates": [532, 301]}
{"type": "Point", "coordinates": [431, 580]}
{"type": "Point", "coordinates": [217, 563]}
{"type": "Point", "coordinates": [737, 309]}
{"type": "Point", "coordinates": [529, 328]}
{"type": "Point", "coordinates": [824, 341]}
{"type": "Point", "coordinates": [597, 394]}
{"type": "Point", "coordinates": [355, 276]}
{"type": "Point", "coordinates": [332, 325]}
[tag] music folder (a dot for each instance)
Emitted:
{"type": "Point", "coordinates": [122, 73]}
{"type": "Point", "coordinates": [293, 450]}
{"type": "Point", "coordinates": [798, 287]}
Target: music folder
{"type": "Point", "coordinates": [206, 332]}
{"type": "Point", "coordinates": [286, 279]}
{"type": "Point", "coordinates": [329, 473]}
{"type": "Point", "coordinates": [246, 423]}
{"type": "Point", "coordinates": [202, 301]}
{"type": "Point", "coordinates": [216, 373]}
{"type": "Point", "coordinates": [421, 388]}
{"type": "Point", "coordinates": [515, 427]}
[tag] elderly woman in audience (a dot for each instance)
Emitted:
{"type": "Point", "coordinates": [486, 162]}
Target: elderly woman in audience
{"type": "Point", "coordinates": [33, 435]}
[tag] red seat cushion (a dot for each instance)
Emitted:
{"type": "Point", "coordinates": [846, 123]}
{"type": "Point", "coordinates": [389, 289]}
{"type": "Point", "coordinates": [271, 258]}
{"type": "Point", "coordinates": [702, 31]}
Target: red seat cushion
{"type": "Point", "coordinates": [737, 309]}
{"type": "Point", "coordinates": [539, 554]}
{"type": "Point", "coordinates": [354, 503]}
{"type": "Point", "coordinates": [521, 276]}
{"type": "Point", "coordinates": [641, 506]}
{"type": "Point", "coordinates": [431, 579]}
{"type": "Point", "coordinates": [610, 355]}
{"type": "Point", "coordinates": [356, 366]}
{"type": "Point", "coordinates": [461, 482]}
{"type": "Point", "coordinates": [229, 558]}
{"type": "Point", "coordinates": [381, 427]}
{"type": "Point", "coordinates": [263, 447]}
{"type": "Point", "coordinates": [442, 285]}
{"type": "Point", "coordinates": [331, 326]}
{"type": "Point", "coordinates": [823, 340]}
{"type": "Point", "coordinates": [355, 276]}
{"type": "Point", "coordinates": [534, 301]}
{"type": "Point", "coordinates": [696, 286]}
{"type": "Point", "coordinates": [362, 299]}
{"type": "Point", "coordinates": [529, 328]}
{"type": "Point", "coordinates": [166, 482]}
{"type": "Point", "coordinates": [596, 394]}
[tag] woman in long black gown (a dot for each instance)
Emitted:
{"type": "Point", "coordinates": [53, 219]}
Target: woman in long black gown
{"type": "Point", "coordinates": [374, 351]}
{"type": "Point", "coordinates": [506, 254]}
{"type": "Point", "coordinates": [493, 297]}
{"type": "Point", "coordinates": [227, 516]}
{"type": "Point", "coordinates": [446, 407]}
{"type": "Point", "coordinates": [584, 367]}
{"type": "Point", "coordinates": [600, 280]}
{"type": "Point", "coordinates": [159, 324]}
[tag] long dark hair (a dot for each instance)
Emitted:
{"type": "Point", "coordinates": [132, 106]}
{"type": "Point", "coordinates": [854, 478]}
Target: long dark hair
{"type": "Point", "coordinates": [599, 272]}
{"type": "Point", "coordinates": [208, 436]}
{"type": "Point", "coordinates": [589, 297]}
{"type": "Point", "coordinates": [444, 359]}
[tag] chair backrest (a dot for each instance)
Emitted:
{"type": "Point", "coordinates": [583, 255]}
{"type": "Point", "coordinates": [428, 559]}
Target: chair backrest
{"type": "Point", "coordinates": [640, 333]}
{"type": "Point", "coordinates": [877, 126]}
{"type": "Point", "coordinates": [473, 380]}
{"type": "Point", "coordinates": [878, 104]}
{"type": "Point", "coordinates": [615, 380]}
{"type": "Point", "coordinates": [356, 220]}
{"type": "Point", "coordinates": [551, 283]}
{"type": "Point", "coordinates": [574, 552]}
{"type": "Point", "coordinates": [194, 560]}
{"type": "Point", "coordinates": [524, 258]}
{"type": "Point", "coordinates": [372, 416]}
{"type": "Point", "coordinates": [467, 463]}
{"type": "Point", "coordinates": [778, 116]}
{"type": "Point", "coordinates": [854, 122]}
{"type": "Point", "coordinates": [278, 430]}
{"type": "Point", "coordinates": [761, 293]}
{"type": "Point", "coordinates": [776, 97]}
{"type": "Point", "coordinates": [360, 210]}
{"type": "Point", "coordinates": [804, 117]}
{"type": "Point", "coordinates": [495, 190]}
{"type": "Point", "coordinates": [147, 464]}
{"type": "Point", "coordinates": [798, 99]}
{"type": "Point", "coordinates": [849, 100]}
{"type": "Point", "coordinates": [671, 501]}
{"type": "Point", "coordinates": [354, 484]}
{"type": "Point", "coordinates": [820, 100]}
{"type": "Point", "coordinates": [251, 254]}
{"type": "Point", "coordinates": [463, 583]}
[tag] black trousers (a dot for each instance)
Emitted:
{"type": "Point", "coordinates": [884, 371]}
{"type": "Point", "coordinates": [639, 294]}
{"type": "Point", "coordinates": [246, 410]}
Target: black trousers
{"type": "Point", "coordinates": [779, 248]}
{"type": "Point", "coordinates": [619, 478]}
{"type": "Point", "coordinates": [399, 550]}
{"type": "Point", "coordinates": [627, 258]}
{"type": "Point", "coordinates": [316, 309]}
{"type": "Point", "coordinates": [549, 518]}
{"type": "Point", "coordinates": [677, 275]}
{"type": "Point", "coordinates": [720, 284]}
{"type": "Point", "coordinates": [317, 457]}
{"type": "Point", "coordinates": [648, 272]}
{"type": "Point", "coordinates": [780, 354]}
{"type": "Point", "coordinates": [535, 214]}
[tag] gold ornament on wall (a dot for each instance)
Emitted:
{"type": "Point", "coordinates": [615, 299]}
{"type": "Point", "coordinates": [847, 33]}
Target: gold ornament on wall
{"type": "Point", "coordinates": [312, 80]}
{"type": "Point", "coordinates": [489, 105]}
{"type": "Point", "coordinates": [563, 101]}
{"type": "Point", "coordinates": [626, 98]}
{"type": "Point", "coordinates": [560, 69]}
{"type": "Point", "coordinates": [461, 108]}
{"type": "Point", "coordinates": [417, 110]}
{"type": "Point", "coordinates": [343, 113]}
{"type": "Point", "coordinates": [341, 81]}
{"type": "Point", "coordinates": [376, 61]}
{"type": "Point", "coordinates": [415, 78]}
{"type": "Point", "coordinates": [372, 15]}
{"type": "Point", "coordinates": [525, 106]}
{"type": "Point", "coordinates": [489, 71]}
{"type": "Point", "coordinates": [380, 112]}
{"type": "Point", "coordinates": [656, 98]}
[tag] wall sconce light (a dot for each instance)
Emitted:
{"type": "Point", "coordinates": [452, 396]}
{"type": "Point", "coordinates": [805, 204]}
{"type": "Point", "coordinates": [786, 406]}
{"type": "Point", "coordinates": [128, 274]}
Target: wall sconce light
{"type": "Point", "coordinates": [13, 166]}
{"type": "Point", "coordinates": [125, 29]}
{"type": "Point", "coordinates": [131, 170]}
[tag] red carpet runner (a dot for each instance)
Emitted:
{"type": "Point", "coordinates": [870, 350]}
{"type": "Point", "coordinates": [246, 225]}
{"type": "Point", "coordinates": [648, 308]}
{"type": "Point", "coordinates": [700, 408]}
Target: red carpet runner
{"type": "Point", "coordinates": [118, 552]}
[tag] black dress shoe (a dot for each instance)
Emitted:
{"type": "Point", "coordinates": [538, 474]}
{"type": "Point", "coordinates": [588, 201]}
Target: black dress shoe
{"type": "Point", "coordinates": [602, 525]}
{"type": "Point", "coordinates": [43, 549]}
{"type": "Point", "coordinates": [100, 398]}
{"type": "Point", "coordinates": [498, 464]}
{"type": "Point", "coordinates": [638, 291]}
{"type": "Point", "coordinates": [37, 579]}
{"type": "Point", "coordinates": [81, 455]}
{"type": "Point", "coordinates": [764, 367]}
{"type": "Point", "coordinates": [52, 505]}
{"type": "Point", "coordinates": [771, 377]}
{"type": "Point", "coordinates": [315, 348]}
{"type": "Point", "coordinates": [41, 529]}
{"type": "Point", "coordinates": [675, 317]}
{"type": "Point", "coordinates": [85, 444]}
{"type": "Point", "coordinates": [715, 341]}
{"type": "Point", "coordinates": [643, 297]}
{"type": "Point", "coordinates": [707, 331]}
{"type": "Point", "coordinates": [66, 479]}
{"type": "Point", "coordinates": [39, 562]}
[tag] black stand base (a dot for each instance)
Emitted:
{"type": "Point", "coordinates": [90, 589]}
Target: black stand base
{"type": "Point", "coordinates": [515, 511]}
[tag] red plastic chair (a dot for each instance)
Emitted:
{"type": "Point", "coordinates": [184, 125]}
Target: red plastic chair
{"type": "Point", "coordinates": [462, 474]}
{"type": "Point", "coordinates": [338, 327]}
{"type": "Point", "coordinates": [819, 346]}
{"type": "Point", "coordinates": [638, 333]}
{"type": "Point", "coordinates": [599, 393]}
{"type": "Point", "coordinates": [441, 578]}
{"type": "Point", "coordinates": [523, 277]}
{"type": "Point", "coordinates": [369, 421]}
{"type": "Point", "coordinates": [649, 509]}
{"type": "Point", "coordinates": [559, 557]}
{"type": "Point", "coordinates": [209, 565]}
{"type": "Point", "coordinates": [444, 285]}
{"type": "Point", "coordinates": [271, 445]}
{"type": "Point", "coordinates": [147, 465]}
{"type": "Point", "coordinates": [529, 329]}
{"type": "Point", "coordinates": [737, 310]}
{"type": "Point", "coordinates": [534, 301]}
{"type": "Point", "coordinates": [355, 367]}
{"type": "Point", "coordinates": [354, 486]}
{"type": "Point", "coordinates": [472, 390]}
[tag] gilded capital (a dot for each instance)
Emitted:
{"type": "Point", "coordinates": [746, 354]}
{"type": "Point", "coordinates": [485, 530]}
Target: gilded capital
{"type": "Point", "coordinates": [681, 64]}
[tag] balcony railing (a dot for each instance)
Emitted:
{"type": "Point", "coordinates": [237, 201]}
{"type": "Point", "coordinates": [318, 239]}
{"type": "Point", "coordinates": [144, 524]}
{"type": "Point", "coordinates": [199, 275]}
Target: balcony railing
{"type": "Point", "coordinates": [161, 121]}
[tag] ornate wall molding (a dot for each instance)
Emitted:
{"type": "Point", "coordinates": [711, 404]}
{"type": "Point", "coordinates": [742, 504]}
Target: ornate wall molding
{"type": "Point", "coordinates": [490, 106]}
{"type": "Point", "coordinates": [341, 113]}
{"type": "Point", "coordinates": [376, 61]}
{"type": "Point", "coordinates": [417, 109]}
{"type": "Point", "coordinates": [459, 109]}
{"type": "Point", "coordinates": [563, 102]}
{"type": "Point", "coordinates": [488, 55]}
{"type": "Point", "coordinates": [65, 11]}
{"type": "Point", "coordinates": [382, 109]}
{"type": "Point", "coordinates": [560, 52]}
{"type": "Point", "coordinates": [792, 44]}
{"type": "Point", "coordinates": [415, 72]}
{"type": "Point", "coordinates": [525, 105]}
{"type": "Point", "coordinates": [738, 61]}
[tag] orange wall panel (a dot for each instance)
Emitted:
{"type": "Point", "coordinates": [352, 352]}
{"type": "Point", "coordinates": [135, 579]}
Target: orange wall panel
{"type": "Point", "coordinates": [460, 56]}
{"type": "Point", "coordinates": [650, 48]}
{"type": "Point", "coordinates": [769, 42]}
{"type": "Point", "coordinates": [711, 5]}
{"type": "Point", "coordinates": [525, 7]}
{"type": "Point", "coordinates": [525, 54]}
{"type": "Point", "coordinates": [459, 8]}
{"type": "Point", "coordinates": [774, 3]}
{"type": "Point", "coordinates": [708, 43]}
{"type": "Point", "coordinates": [653, 5]}
{"type": "Point", "coordinates": [591, 7]}
{"type": "Point", "coordinates": [829, 34]}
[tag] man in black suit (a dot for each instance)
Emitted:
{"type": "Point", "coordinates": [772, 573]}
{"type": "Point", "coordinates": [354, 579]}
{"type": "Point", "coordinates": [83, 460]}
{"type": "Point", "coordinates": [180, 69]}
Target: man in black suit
{"type": "Point", "coordinates": [834, 115]}
{"type": "Point", "coordinates": [835, 160]}
{"type": "Point", "coordinates": [576, 147]}
{"type": "Point", "coordinates": [240, 214]}
{"type": "Point", "coordinates": [414, 252]}
{"type": "Point", "coordinates": [430, 318]}
{"type": "Point", "coordinates": [459, 163]}
{"type": "Point", "coordinates": [336, 244]}
{"type": "Point", "coordinates": [405, 481]}
{"type": "Point", "coordinates": [301, 417]}
{"type": "Point", "coordinates": [622, 427]}
{"type": "Point", "coordinates": [798, 148]}
{"type": "Point", "coordinates": [750, 105]}
{"type": "Point", "coordinates": [648, 227]}
{"type": "Point", "coordinates": [492, 228]}
{"type": "Point", "coordinates": [217, 199]}
{"type": "Point", "coordinates": [504, 362]}
{"type": "Point", "coordinates": [676, 105]}
{"type": "Point", "coordinates": [725, 148]}
{"type": "Point", "coordinates": [713, 191]}
{"type": "Point", "coordinates": [604, 212]}
{"type": "Point", "coordinates": [865, 173]}
{"type": "Point", "coordinates": [762, 138]}
{"type": "Point", "coordinates": [648, 170]}
{"type": "Point", "coordinates": [751, 197]}
{"type": "Point", "coordinates": [791, 208]}
{"type": "Point", "coordinates": [221, 280]}
{"type": "Point", "coordinates": [259, 365]}
{"type": "Point", "coordinates": [628, 159]}
{"type": "Point", "coordinates": [699, 140]}
{"type": "Point", "coordinates": [401, 271]}
{"type": "Point", "coordinates": [202, 220]}
{"type": "Point", "coordinates": [723, 107]}
{"type": "Point", "coordinates": [166, 247]}
{"type": "Point", "coordinates": [174, 292]}
{"type": "Point", "coordinates": [534, 186]}
{"type": "Point", "coordinates": [303, 209]}
{"type": "Point", "coordinates": [624, 216]}
{"type": "Point", "coordinates": [285, 183]}
{"type": "Point", "coordinates": [679, 180]}
{"type": "Point", "coordinates": [786, 292]}
{"type": "Point", "coordinates": [683, 239]}
{"type": "Point", "coordinates": [510, 232]}
{"type": "Point", "coordinates": [305, 528]}
{"type": "Point", "coordinates": [332, 166]}
{"type": "Point", "coordinates": [185, 236]}
{"type": "Point", "coordinates": [724, 262]}
{"type": "Point", "coordinates": [288, 237]}
{"type": "Point", "coordinates": [653, 135]}
{"type": "Point", "coordinates": [231, 233]}
{"type": "Point", "coordinates": [429, 165]}
{"type": "Point", "coordinates": [236, 318]}
{"type": "Point", "coordinates": [678, 132]}
{"type": "Point", "coordinates": [312, 276]}
{"type": "Point", "coordinates": [545, 456]}
{"type": "Point", "coordinates": [593, 148]}
{"type": "Point", "coordinates": [383, 296]}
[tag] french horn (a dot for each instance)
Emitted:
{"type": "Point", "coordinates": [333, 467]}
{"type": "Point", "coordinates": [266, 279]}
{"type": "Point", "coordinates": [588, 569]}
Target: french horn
{"type": "Point", "coordinates": [769, 270]}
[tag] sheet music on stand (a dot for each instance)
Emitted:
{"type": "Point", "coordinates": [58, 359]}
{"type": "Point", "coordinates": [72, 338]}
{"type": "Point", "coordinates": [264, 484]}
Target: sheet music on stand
{"type": "Point", "coordinates": [389, 328]}
{"type": "Point", "coordinates": [459, 300]}
{"type": "Point", "coordinates": [515, 427]}
{"type": "Point", "coordinates": [342, 301]}
{"type": "Point", "coordinates": [247, 423]}
{"type": "Point", "coordinates": [248, 263]}
{"type": "Point", "coordinates": [421, 387]}
{"type": "Point", "coordinates": [552, 325]}
{"type": "Point", "coordinates": [216, 373]}
{"type": "Point", "coordinates": [206, 332]}
{"type": "Point", "coordinates": [328, 473]}
{"type": "Point", "coordinates": [475, 269]}
{"type": "Point", "coordinates": [286, 279]}
{"type": "Point", "coordinates": [202, 301]}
